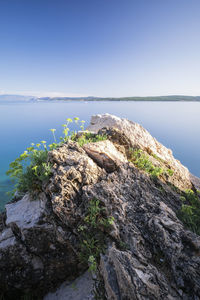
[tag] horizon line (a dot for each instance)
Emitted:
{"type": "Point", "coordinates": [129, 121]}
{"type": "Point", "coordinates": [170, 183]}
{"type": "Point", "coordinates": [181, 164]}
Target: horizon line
{"type": "Point", "coordinates": [60, 95]}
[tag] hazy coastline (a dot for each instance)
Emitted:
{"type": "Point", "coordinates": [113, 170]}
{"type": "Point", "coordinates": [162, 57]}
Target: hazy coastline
{"type": "Point", "coordinates": [171, 98]}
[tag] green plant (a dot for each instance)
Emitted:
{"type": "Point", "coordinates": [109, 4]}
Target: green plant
{"type": "Point", "coordinates": [190, 211]}
{"type": "Point", "coordinates": [88, 137]}
{"type": "Point", "coordinates": [31, 169]}
{"type": "Point", "coordinates": [123, 246]}
{"type": "Point", "coordinates": [84, 137]}
{"type": "Point", "coordinates": [53, 132]}
{"type": "Point", "coordinates": [156, 172]}
{"type": "Point", "coordinates": [142, 162]}
{"type": "Point", "coordinates": [92, 234]}
{"type": "Point", "coordinates": [92, 263]}
{"type": "Point", "coordinates": [182, 198]}
{"type": "Point", "coordinates": [170, 172]}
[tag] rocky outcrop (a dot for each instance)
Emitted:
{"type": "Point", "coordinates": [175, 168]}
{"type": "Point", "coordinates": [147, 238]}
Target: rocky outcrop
{"type": "Point", "coordinates": [148, 252]}
{"type": "Point", "coordinates": [139, 137]}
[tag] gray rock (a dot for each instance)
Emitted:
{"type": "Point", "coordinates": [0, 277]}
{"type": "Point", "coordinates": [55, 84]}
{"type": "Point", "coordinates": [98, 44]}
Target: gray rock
{"type": "Point", "coordinates": [26, 213]}
{"type": "Point", "coordinates": [157, 249]}
{"type": "Point", "coordinates": [149, 254]}
{"type": "Point", "coordinates": [35, 252]}
{"type": "Point", "coordinates": [79, 289]}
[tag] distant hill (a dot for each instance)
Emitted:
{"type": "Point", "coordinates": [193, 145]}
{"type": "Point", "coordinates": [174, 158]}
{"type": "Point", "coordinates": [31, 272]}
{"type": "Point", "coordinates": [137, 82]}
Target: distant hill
{"type": "Point", "coordinates": [90, 98]}
{"type": "Point", "coordinates": [22, 98]}
{"type": "Point", "coordinates": [156, 98]}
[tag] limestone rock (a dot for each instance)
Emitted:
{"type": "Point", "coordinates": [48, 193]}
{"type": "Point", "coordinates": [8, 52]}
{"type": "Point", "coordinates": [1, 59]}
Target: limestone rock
{"type": "Point", "coordinates": [79, 289]}
{"type": "Point", "coordinates": [141, 138]}
{"type": "Point", "coordinates": [72, 170]}
{"type": "Point", "coordinates": [105, 155]}
{"type": "Point", "coordinates": [25, 213]}
{"type": "Point", "coordinates": [149, 254]}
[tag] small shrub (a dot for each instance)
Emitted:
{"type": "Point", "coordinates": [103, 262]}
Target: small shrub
{"type": "Point", "coordinates": [190, 211]}
{"type": "Point", "coordinates": [156, 172]}
{"type": "Point", "coordinates": [142, 162]}
{"type": "Point", "coordinates": [31, 169]}
{"type": "Point", "coordinates": [170, 172]}
{"type": "Point", "coordinates": [92, 234]}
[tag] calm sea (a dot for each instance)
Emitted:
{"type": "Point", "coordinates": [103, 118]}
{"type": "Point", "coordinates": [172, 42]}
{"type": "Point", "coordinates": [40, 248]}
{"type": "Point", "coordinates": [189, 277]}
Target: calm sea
{"type": "Point", "coordinates": [176, 125]}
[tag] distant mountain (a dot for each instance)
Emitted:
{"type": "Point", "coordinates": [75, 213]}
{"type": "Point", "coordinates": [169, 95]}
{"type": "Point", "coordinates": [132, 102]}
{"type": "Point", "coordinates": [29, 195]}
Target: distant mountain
{"type": "Point", "coordinates": [16, 98]}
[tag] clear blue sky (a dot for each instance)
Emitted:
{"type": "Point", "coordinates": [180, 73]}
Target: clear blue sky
{"type": "Point", "coordinates": [100, 47]}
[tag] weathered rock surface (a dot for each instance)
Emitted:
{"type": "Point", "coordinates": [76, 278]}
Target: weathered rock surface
{"type": "Point", "coordinates": [149, 254]}
{"type": "Point", "coordinates": [141, 138]}
{"type": "Point", "coordinates": [105, 155]}
{"type": "Point", "coordinates": [34, 248]}
{"type": "Point", "coordinates": [79, 289]}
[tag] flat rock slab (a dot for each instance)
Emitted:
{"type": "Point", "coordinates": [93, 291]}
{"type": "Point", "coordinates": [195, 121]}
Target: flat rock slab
{"type": "Point", "coordinates": [79, 289]}
{"type": "Point", "coordinates": [105, 155]}
{"type": "Point", "coordinates": [25, 213]}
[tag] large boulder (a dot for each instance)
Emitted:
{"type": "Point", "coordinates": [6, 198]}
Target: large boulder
{"type": "Point", "coordinates": [148, 253]}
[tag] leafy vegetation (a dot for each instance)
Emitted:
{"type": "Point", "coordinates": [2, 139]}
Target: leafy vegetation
{"type": "Point", "coordinates": [190, 211]}
{"type": "Point", "coordinates": [170, 172]}
{"type": "Point", "coordinates": [88, 137]}
{"type": "Point", "coordinates": [92, 234]}
{"type": "Point", "coordinates": [142, 162]}
{"type": "Point", "coordinates": [31, 169]}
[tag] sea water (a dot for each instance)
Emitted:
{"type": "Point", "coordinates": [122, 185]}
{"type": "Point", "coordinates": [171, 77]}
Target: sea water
{"type": "Point", "coordinates": [174, 124]}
